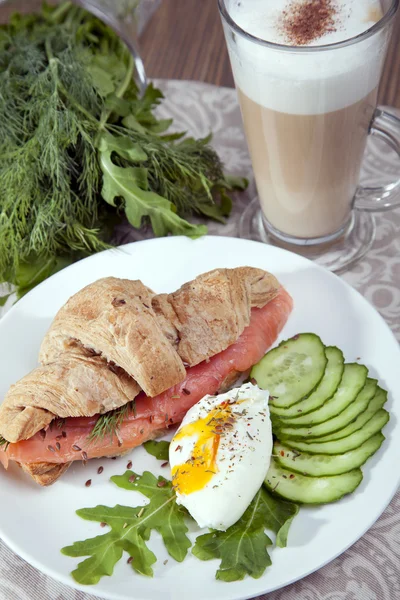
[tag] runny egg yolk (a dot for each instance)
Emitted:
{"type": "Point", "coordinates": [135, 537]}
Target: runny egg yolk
{"type": "Point", "coordinates": [194, 474]}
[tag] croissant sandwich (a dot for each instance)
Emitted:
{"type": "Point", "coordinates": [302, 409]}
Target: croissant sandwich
{"type": "Point", "coordinates": [120, 364]}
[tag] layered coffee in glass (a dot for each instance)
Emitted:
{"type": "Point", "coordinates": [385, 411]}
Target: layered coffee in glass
{"type": "Point", "coordinates": [307, 74]}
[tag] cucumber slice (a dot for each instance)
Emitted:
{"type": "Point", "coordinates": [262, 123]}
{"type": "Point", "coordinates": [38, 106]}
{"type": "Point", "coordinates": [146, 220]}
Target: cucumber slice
{"type": "Point", "coordinates": [374, 405]}
{"type": "Point", "coordinates": [292, 370]}
{"type": "Point", "coordinates": [341, 420]}
{"type": "Point", "coordinates": [310, 490]}
{"type": "Point", "coordinates": [353, 380]}
{"type": "Point", "coordinates": [350, 442]}
{"type": "Point", "coordinates": [317, 465]}
{"type": "Point", "coordinates": [325, 390]}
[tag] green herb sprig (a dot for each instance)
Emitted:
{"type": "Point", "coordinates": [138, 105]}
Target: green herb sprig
{"type": "Point", "coordinates": [131, 529]}
{"type": "Point", "coordinates": [109, 424]}
{"type": "Point", "coordinates": [157, 449]}
{"type": "Point", "coordinates": [81, 150]}
{"type": "Point", "coordinates": [4, 443]}
{"type": "Point", "coordinates": [242, 549]}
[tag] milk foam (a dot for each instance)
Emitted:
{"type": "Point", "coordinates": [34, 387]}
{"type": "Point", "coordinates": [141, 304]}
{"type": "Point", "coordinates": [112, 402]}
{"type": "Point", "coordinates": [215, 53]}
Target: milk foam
{"type": "Point", "coordinates": [262, 18]}
{"type": "Point", "coordinates": [308, 82]}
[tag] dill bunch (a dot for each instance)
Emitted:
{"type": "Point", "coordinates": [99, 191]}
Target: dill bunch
{"type": "Point", "coordinates": [80, 149]}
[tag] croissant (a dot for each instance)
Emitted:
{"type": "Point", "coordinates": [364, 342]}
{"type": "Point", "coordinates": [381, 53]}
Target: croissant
{"type": "Point", "coordinates": [116, 337]}
{"type": "Point", "coordinates": [114, 317]}
{"type": "Point", "coordinates": [153, 337]}
{"type": "Point", "coordinates": [45, 473]}
{"type": "Point", "coordinates": [74, 386]}
{"type": "Point", "coordinates": [209, 314]}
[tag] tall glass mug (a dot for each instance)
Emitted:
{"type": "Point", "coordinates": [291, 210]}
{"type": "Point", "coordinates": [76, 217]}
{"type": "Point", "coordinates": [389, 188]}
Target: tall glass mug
{"type": "Point", "coordinates": [307, 112]}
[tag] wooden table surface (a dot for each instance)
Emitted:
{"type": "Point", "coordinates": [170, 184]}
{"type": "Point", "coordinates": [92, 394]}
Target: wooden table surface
{"type": "Point", "coordinates": [184, 40]}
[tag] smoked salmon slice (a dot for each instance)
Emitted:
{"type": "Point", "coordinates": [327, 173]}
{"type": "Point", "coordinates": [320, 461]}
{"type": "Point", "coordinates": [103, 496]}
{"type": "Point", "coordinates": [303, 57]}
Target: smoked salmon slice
{"type": "Point", "coordinates": [152, 416]}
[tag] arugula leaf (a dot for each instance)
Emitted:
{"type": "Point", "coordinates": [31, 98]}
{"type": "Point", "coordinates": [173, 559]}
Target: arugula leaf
{"type": "Point", "coordinates": [158, 449]}
{"type": "Point", "coordinates": [33, 271]}
{"type": "Point", "coordinates": [243, 547]}
{"type": "Point", "coordinates": [102, 80]}
{"type": "Point", "coordinates": [130, 530]}
{"type": "Point", "coordinates": [37, 269]}
{"type": "Point", "coordinates": [141, 117]}
{"type": "Point", "coordinates": [164, 514]}
{"type": "Point", "coordinates": [107, 71]}
{"type": "Point", "coordinates": [217, 211]}
{"type": "Point", "coordinates": [130, 184]}
{"type": "Point", "coordinates": [3, 300]}
{"type": "Point", "coordinates": [232, 182]}
{"type": "Point", "coordinates": [106, 550]}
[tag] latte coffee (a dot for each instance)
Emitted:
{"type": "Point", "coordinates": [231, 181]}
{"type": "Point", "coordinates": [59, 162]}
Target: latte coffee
{"type": "Point", "coordinates": [306, 110]}
{"type": "Point", "coordinates": [307, 167]}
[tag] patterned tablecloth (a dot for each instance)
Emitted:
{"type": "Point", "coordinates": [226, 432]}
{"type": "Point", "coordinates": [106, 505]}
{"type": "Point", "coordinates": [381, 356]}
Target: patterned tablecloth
{"type": "Point", "coordinates": [370, 569]}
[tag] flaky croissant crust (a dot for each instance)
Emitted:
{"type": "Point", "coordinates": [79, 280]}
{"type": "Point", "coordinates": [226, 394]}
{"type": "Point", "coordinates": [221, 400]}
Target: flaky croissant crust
{"type": "Point", "coordinates": [116, 337]}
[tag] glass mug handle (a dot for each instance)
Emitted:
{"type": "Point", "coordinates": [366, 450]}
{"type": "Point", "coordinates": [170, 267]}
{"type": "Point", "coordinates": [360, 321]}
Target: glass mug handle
{"type": "Point", "coordinates": [386, 127]}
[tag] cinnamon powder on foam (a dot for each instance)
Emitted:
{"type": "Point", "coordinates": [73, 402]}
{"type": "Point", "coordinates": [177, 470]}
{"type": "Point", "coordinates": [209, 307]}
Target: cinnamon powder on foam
{"type": "Point", "coordinates": [305, 21]}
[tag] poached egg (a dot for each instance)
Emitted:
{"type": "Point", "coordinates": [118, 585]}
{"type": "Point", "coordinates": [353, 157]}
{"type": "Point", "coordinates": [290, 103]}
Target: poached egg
{"type": "Point", "coordinates": [220, 455]}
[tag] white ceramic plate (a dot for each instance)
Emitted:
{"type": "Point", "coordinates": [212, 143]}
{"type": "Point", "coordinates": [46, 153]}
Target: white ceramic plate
{"type": "Point", "coordinates": [36, 522]}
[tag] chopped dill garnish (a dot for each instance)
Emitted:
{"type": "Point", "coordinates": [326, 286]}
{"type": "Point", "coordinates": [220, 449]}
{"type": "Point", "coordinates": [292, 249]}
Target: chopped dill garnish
{"type": "Point", "coordinates": [4, 442]}
{"type": "Point", "coordinates": [109, 424]}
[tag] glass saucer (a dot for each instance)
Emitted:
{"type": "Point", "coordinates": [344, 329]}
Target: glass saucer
{"type": "Point", "coordinates": [336, 255]}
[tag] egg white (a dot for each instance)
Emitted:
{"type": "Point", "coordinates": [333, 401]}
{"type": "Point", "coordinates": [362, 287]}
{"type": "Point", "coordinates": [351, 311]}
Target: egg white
{"type": "Point", "coordinates": [242, 459]}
